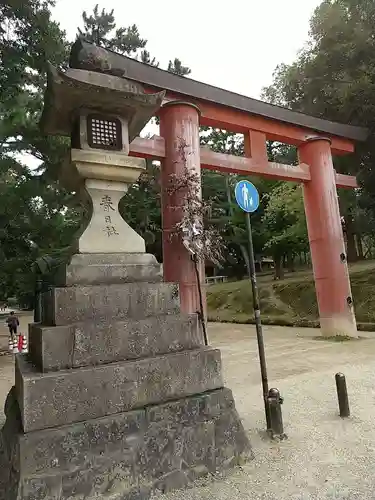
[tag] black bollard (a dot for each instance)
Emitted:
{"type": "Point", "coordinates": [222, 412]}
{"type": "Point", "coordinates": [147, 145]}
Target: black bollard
{"type": "Point", "coordinates": [342, 395]}
{"type": "Point", "coordinates": [274, 404]}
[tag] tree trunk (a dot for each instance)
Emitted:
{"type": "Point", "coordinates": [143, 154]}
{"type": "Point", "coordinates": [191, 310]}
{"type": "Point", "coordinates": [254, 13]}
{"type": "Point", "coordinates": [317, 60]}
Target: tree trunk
{"type": "Point", "coordinates": [308, 259]}
{"type": "Point", "coordinates": [279, 269]}
{"type": "Point", "coordinates": [291, 267]}
{"type": "Point", "coordinates": [283, 260]}
{"type": "Point", "coordinates": [351, 249]}
{"type": "Point", "coordinates": [245, 256]}
{"type": "Point", "coordinates": [300, 257]}
{"type": "Point", "coordinates": [350, 240]}
{"type": "Point", "coordinates": [359, 246]}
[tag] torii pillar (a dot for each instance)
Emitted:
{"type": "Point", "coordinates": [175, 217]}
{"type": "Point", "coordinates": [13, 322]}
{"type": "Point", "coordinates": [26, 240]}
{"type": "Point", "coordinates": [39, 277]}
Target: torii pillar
{"type": "Point", "coordinates": [179, 123]}
{"type": "Point", "coordinates": [327, 245]}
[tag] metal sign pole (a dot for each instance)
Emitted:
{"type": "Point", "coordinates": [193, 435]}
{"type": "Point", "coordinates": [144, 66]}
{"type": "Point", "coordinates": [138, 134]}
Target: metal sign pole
{"type": "Point", "coordinates": [247, 198]}
{"type": "Point", "coordinates": [258, 323]}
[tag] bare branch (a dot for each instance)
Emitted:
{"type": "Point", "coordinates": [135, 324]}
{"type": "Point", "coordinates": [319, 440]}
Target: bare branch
{"type": "Point", "coordinates": [201, 238]}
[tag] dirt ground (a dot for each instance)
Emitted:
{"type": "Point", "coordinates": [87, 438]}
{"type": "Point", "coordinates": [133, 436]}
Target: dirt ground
{"type": "Point", "coordinates": [325, 457]}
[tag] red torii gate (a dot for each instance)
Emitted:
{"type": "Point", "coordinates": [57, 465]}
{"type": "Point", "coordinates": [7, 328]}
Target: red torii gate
{"type": "Point", "coordinates": [190, 104]}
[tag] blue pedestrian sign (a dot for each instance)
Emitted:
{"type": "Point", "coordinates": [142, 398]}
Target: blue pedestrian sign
{"type": "Point", "coordinates": [247, 196]}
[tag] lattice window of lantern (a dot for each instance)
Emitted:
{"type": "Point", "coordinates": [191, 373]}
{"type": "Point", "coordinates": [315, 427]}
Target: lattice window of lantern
{"type": "Point", "coordinates": [104, 132]}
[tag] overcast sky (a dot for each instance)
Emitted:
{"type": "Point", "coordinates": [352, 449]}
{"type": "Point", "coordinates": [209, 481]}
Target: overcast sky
{"type": "Point", "coordinates": [234, 45]}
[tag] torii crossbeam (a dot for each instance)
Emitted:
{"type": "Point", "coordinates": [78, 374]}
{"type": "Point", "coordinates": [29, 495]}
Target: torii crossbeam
{"type": "Point", "coordinates": [190, 104]}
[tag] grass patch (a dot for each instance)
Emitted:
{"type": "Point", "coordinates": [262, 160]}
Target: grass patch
{"type": "Point", "coordinates": [289, 302]}
{"type": "Point", "coordinates": [338, 338]}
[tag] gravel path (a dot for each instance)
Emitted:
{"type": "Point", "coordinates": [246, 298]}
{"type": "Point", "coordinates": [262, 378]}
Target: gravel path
{"type": "Point", "coordinates": [324, 457]}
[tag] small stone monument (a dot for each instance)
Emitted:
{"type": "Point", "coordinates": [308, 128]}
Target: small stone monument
{"type": "Point", "coordinates": [118, 396]}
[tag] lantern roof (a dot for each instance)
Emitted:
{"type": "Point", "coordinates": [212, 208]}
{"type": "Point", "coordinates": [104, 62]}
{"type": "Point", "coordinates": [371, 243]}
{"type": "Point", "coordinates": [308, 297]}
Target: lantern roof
{"type": "Point", "coordinates": [77, 89]}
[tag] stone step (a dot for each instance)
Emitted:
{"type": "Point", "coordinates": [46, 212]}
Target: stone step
{"type": "Point", "coordinates": [104, 269]}
{"type": "Point", "coordinates": [67, 396]}
{"type": "Point", "coordinates": [127, 455]}
{"type": "Point", "coordinates": [74, 304]}
{"type": "Point", "coordinates": [94, 343]}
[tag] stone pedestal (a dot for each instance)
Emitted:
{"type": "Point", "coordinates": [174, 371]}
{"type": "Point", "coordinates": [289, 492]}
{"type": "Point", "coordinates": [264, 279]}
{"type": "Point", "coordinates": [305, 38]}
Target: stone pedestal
{"type": "Point", "coordinates": [105, 177]}
{"type": "Point", "coordinates": [118, 396]}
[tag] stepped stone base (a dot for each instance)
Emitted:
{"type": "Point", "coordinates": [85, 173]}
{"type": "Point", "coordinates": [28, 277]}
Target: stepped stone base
{"type": "Point", "coordinates": [93, 343]}
{"type": "Point", "coordinates": [74, 304]}
{"type": "Point", "coordinates": [118, 397]}
{"type": "Point", "coordinates": [125, 456]}
{"type": "Point", "coordinates": [68, 396]}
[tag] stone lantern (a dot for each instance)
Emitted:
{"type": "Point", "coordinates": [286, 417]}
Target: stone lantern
{"type": "Point", "coordinates": [101, 113]}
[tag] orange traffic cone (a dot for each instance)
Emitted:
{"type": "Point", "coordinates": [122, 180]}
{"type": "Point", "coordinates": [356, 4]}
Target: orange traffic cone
{"type": "Point", "coordinates": [25, 348]}
{"type": "Point", "coordinates": [20, 337]}
{"type": "Point", "coordinates": [11, 346]}
{"type": "Point", "coordinates": [15, 346]}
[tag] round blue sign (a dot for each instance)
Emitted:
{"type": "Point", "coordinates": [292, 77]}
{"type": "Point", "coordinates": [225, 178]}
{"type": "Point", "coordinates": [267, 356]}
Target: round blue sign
{"type": "Point", "coordinates": [247, 196]}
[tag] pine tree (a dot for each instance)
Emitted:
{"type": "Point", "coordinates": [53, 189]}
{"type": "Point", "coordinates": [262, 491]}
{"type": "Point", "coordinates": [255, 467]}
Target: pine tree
{"type": "Point", "coordinates": [31, 217]}
{"type": "Point", "coordinates": [34, 219]}
{"type": "Point", "coordinates": [100, 28]}
{"type": "Point", "coordinates": [177, 68]}
{"type": "Point", "coordinates": [147, 59]}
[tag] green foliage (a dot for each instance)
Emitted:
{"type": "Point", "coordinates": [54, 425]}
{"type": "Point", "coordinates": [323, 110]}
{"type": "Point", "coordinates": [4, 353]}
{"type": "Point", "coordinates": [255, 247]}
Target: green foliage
{"type": "Point", "coordinates": [100, 28]}
{"type": "Point", "coordinates": [334, 78]}
{"type": "Point", "coordinates": [141, 208]}
{"type": "Point", "coordinates": [284, 221]}
{"type": "Point", "coordinates": [31, 216]}
{"type": "Point", "coordinates": [270, 238]}
{"type": "Point", "coordinates": [282, 153]}
{"type": "Point", "coordinates": [178, 68]}
{"type": "Point", "coordinates": [226, 215]}
{"type": "Point", "coordinates": [37, 216]}
{"type": "Point", "coordinates": [147, 59]}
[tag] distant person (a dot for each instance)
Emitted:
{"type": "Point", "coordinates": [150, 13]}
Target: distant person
{"type": "Point", "coordinates": [13, 324]}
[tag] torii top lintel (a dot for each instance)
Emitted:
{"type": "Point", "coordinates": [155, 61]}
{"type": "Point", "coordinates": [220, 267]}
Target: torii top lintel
{"type": "Point", "coordinates": [220, 108]}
